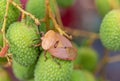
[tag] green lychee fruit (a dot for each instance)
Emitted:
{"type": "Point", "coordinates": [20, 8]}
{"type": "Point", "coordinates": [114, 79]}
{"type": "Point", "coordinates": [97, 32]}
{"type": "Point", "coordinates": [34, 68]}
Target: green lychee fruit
{"type": "Point", "coordinates": [22, 72]}
{"type": "Point", "coordinates": [82, 75]}
{"type": "Point", "coordinates": [89, 76]}
{"type": "Point", "coordinates": [4, 76]}
{"type": "Point", "coordinates": [109, 30]}
{"type": "Point", "coordinates": [39, 10]}
{"type": "Point", "coordinates": [77, 75]}
{"type": "Point", "coordinates": [13, 12]}
{"type": "Point", "coordinates": [87, 58]}
{"type": "Point", "coordinates": [22, 37]}
{"type": "Point", "coordinates": [65, 3]}
{"type": "Point", "coordinates": [31, 79]}
{"type": "Point", "coordinates": [104, 6]}
{"type": "Point", "coordinates": [53, 69]}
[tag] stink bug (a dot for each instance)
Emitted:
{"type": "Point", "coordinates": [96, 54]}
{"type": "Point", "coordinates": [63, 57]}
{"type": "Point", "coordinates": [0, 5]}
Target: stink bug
{"type": "Point", "coordinates": [58, 46]}
{"type": "Point", "coordinates": [63, 42]}
{"type": "Point", "coordinates": [52, 38]}
{"type": "Point", "coordinates": [67, 53]}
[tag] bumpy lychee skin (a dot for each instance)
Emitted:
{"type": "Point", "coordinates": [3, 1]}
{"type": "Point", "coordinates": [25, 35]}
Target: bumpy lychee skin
{"type": "Point", "coordinates": [65, 3]}
{"type": "Point", "coordinates": [13, 13]}
{"type": "Point", "coordinates": [38, 8]}
{"type": "Point", "coordinates": [4, 76]}
{"type": "Point", "coordinates": [87, 58]}
{"type": "Point", "coordinates": [110, 30]}
{"type": "Point", "coordinates": [49, 70]}
{"type": "Point", "coordinates": [22, 72]}
{"type": "Point", "coordinates": [22, 38]}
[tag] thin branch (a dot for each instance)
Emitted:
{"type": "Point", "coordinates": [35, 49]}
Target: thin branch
{"type": "Point", "coordinates": [114, 59]}
{"type": "Point", "coordinates": [47, 19]}
{"type": "Point", "coordinates": [9, 58]}
{"type": "Point", "coordinates": [54, 21]}
{"type": "Point", "coordinates": [102, 63]}
{"type": "Point", "coordinates": [5, 41]}
{"type": "Point", "coordinates": [81, 33]}
{"type": "Point", "coordinates": [57, 13]}
{"type": "Point", "coordinates": [37, 22]}
{"type": "Point", "coordinates": [4, 24]}
{"type": "Point", "coordinates": [91, 40]}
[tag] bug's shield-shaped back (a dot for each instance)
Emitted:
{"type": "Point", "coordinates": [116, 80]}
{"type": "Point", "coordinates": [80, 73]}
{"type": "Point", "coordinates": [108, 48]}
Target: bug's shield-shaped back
{"type": "Point", "coordinates": [49, 39]}
{"type": "Point", "coordinates": [58, 45]}
{"type": "Point", "coordinates": [63, 41]}
{"type": "Point", "coordinates": [68, 53]}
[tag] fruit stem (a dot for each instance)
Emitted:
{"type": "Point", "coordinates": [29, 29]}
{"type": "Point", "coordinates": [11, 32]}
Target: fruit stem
{"type": "Point", "coordinates": [37, 22]}
{"type": "Point", "coordinates": [103, 62]}
{"type": "Point", "coordinates": [47, 17]}
{"type": "Point", "coordinates": [114, 59]}
{"type": "Point", "coordinates": [54, 21]}
{"type": "Point", "coordinates": [57, 13]}
{"type": "Point", "coordinates": [81, 33]}
{"type": "Point", "coordinates": [5, 41]}
{"type": "Point", "coordinates": [4, 24]}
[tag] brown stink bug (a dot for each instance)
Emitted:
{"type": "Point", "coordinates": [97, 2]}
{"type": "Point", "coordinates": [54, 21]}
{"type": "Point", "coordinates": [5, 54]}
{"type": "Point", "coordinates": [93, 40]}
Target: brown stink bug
{"type": "Point", "coordinates": [67, 53]}
{"type": "Point", "coordinates": [58, 45]}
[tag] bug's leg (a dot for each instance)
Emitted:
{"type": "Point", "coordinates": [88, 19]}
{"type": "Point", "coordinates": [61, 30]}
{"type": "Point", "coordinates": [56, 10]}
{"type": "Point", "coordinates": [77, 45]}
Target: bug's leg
{"type": "Point", "coordinates": [41, 34]}
{"type": "Point", "coordinates": [56, 44]}
{"type": "Point", "coordinates": [56, 62]}
{"type": "Point", "coordinates": [45, 52]}
{"type": "Point", "coordinates": [37, 45]}
{"type": "Point", "coordinates": [36, 39]}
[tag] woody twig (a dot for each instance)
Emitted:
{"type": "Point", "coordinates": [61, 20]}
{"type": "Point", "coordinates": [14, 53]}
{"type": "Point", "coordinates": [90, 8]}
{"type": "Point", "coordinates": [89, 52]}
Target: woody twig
{"type": "Point", "coordinates": [37, 22]}
{"type": "Point", "coordinates": [54, 21]}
